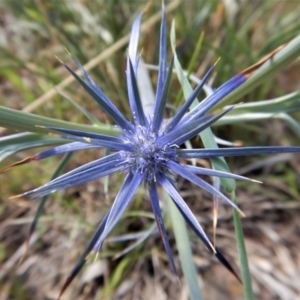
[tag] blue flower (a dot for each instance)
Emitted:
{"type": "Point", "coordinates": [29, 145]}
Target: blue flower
{"type": "Point", "coordinates": [147, 151]}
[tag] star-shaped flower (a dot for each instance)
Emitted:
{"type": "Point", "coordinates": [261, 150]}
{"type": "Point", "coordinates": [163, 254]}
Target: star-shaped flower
{"type": "Point", "coordinates": [148, 151]}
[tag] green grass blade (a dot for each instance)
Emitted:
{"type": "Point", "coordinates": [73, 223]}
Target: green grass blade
{"type": "Point", "coordinates": [191, 64]}
{"type": "Point", "coordinates": [178, 223]}
{"type": "Point", "coordinates": [22, 141]}
{"type": "Point", "coordinates": [195, 54]}
{"type": "Point", "coordinates": [286, 103]}
{"type": "Point", "coordinates": [184, 249]}
{"type": "Point", "coordinates": [245, 272]}
{"type": "Point", "coordinates": [80, 108]}
{"type": "Point", "coordinates": [206, 135]}
{"type": "Point", "coordinates": [281, 59]}
{"type": "Point", "coordinates": [21, 121]}
{"type": "Point", "coordinates": [252, 117]}
{"type": "Point", "coordinates": [43, 202]}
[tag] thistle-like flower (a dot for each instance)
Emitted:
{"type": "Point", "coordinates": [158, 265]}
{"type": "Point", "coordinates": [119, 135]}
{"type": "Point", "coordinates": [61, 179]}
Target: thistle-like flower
{"type": "Point", "coordinates": [148, 149]}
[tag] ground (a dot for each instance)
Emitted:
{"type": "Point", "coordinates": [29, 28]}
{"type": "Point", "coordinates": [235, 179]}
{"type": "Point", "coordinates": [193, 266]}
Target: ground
{"type": "Point", "coordinates": [271, 225]}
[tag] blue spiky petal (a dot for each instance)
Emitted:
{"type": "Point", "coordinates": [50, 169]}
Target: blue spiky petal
{"type": "Point", "coordinates": [147, 151]}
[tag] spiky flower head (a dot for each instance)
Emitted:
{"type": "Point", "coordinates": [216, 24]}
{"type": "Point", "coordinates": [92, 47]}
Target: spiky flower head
{"type": "Point", "coordinates": [148, 149]}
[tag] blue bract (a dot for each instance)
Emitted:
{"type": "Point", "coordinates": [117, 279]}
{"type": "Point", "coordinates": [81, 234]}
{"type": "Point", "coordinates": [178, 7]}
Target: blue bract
{"type": "Point", "coordinates": [148, 150]}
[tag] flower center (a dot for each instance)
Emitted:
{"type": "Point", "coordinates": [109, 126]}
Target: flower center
{"type": "Point", "coordinates": [146, 157]}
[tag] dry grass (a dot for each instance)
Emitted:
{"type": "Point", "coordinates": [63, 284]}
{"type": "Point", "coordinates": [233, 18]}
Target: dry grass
{"type": "Point", "coordinates": [272, 225]}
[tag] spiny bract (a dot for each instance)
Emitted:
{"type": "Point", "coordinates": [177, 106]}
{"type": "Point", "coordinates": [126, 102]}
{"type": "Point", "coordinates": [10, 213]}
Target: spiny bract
{"type": "Point", "coordinates": [148, 149]}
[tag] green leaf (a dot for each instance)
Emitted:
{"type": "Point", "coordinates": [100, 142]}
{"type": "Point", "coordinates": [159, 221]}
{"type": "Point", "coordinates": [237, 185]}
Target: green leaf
{"type": "Point", "coordinates": [43, 202]}
{"type": "Point", "coordinates": [80, 108]}
{"type": "Point", "coordinates": [21, 141]}
{"type": "Point", "coordinates": [206, 135]}
{"type": "Point", "coordinates": [286, 103]}
{"type": "Point", "coordinates": [22, 121]}
{"type": "Point", "coordinates": [280, 60]}
{"type": "Point", "coordinates": [184, 249]}
{"type": "Point", "coordinates": [179, 226]}
{"type": "Point", "coordinates": [250, 117]}
{"type": "Point", "coordinates": [195, 54]}
{"type": "Point", "coordinates": [246, 276]}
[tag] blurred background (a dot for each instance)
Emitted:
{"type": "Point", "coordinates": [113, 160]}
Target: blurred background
{"type": "Point", "coordinates": [33, 33]}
